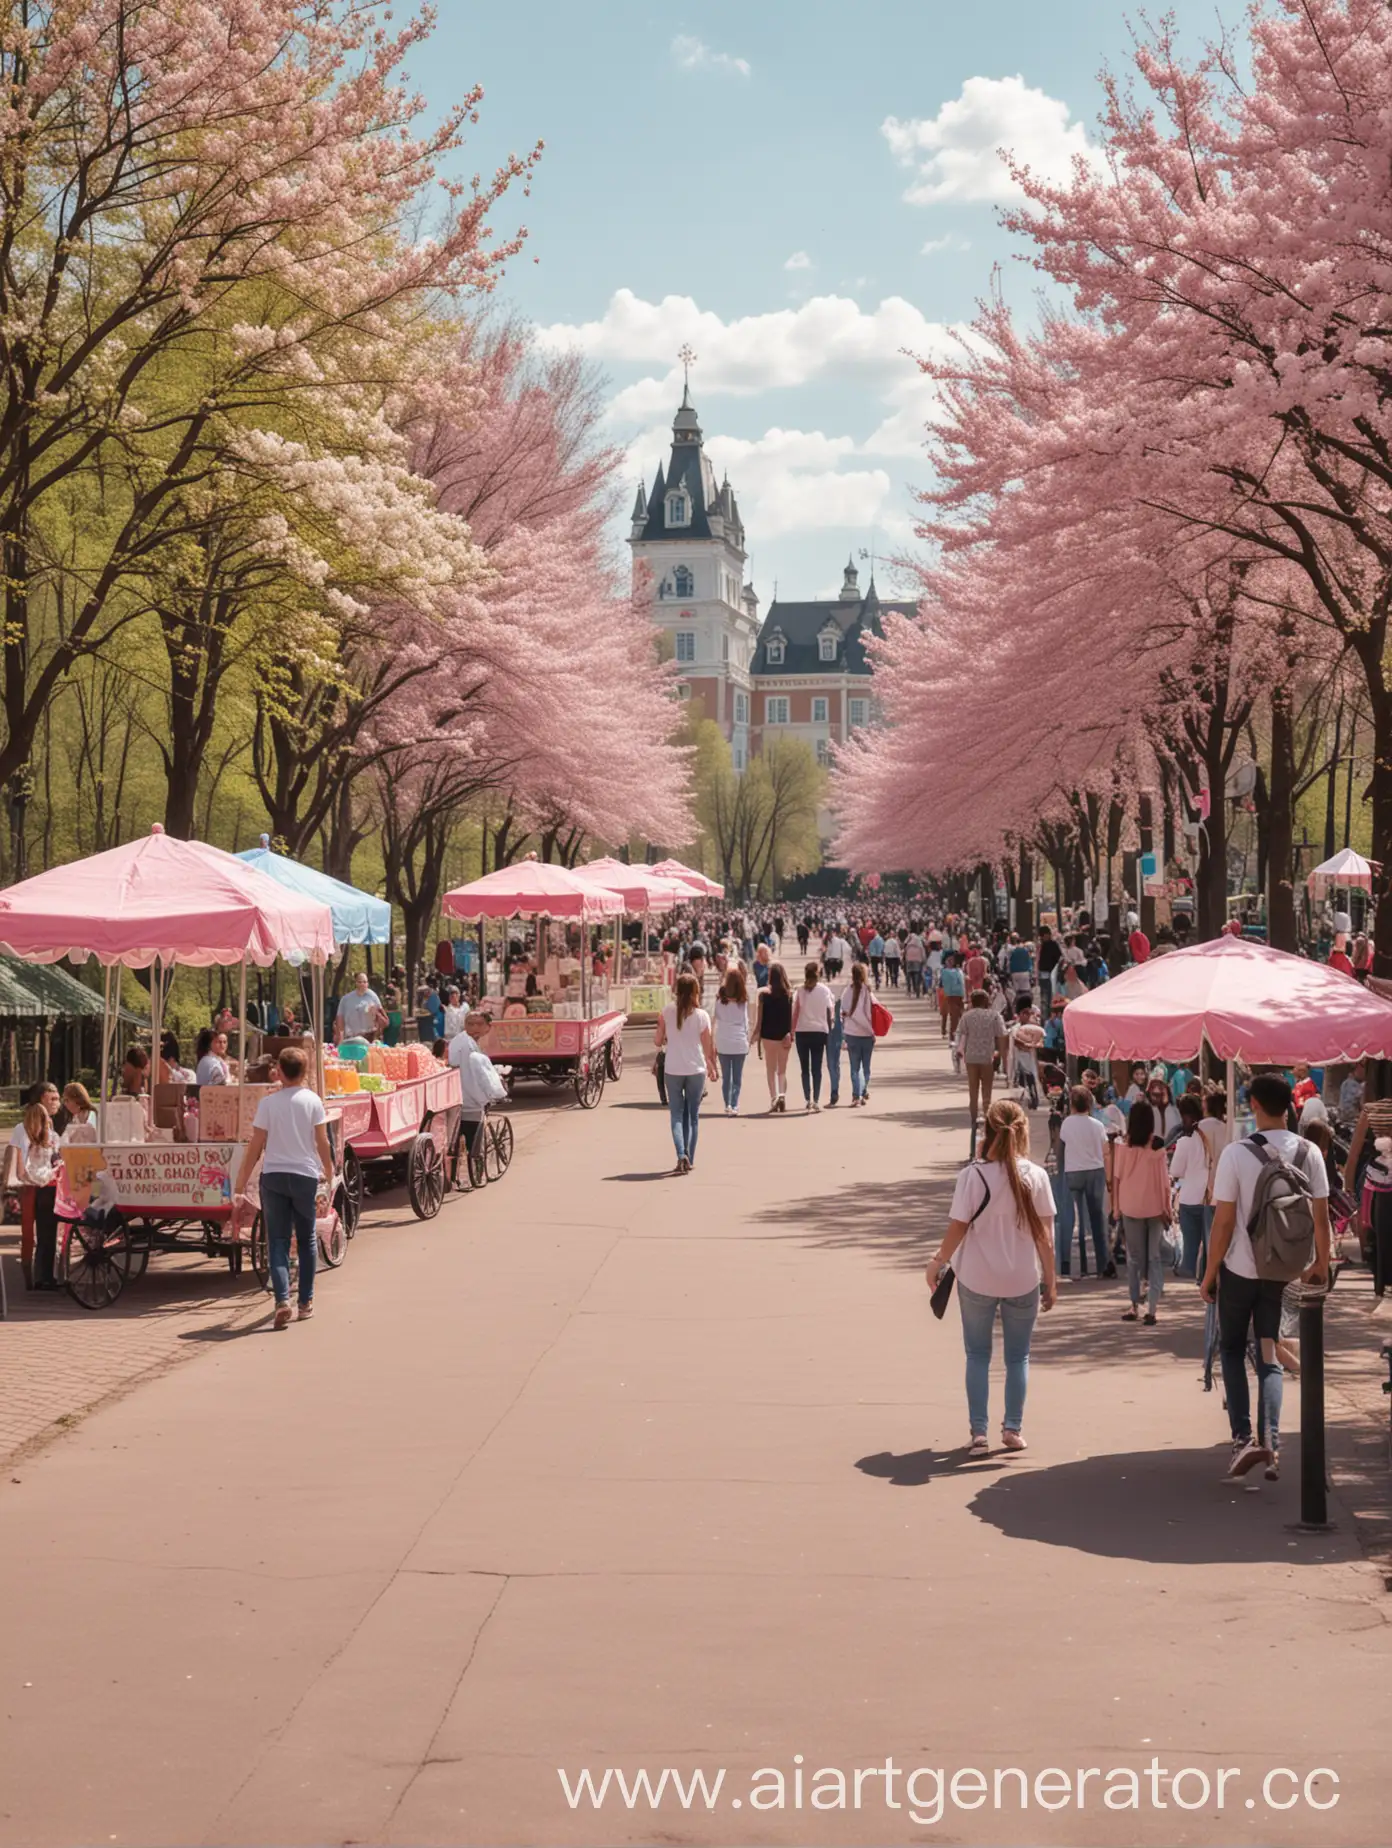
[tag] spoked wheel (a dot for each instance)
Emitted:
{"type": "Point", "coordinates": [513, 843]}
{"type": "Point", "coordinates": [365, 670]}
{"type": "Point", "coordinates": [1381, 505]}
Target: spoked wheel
{"type": "Point", "coordinates": [477, 1156]}
{"type": "Point", "coordinates": [614, 1053]}
{"type": "Point", "coordinates": [333, 1245]}
{"type": "Point", "coordinates": [497, 1153]}
{"type": "Point", "coordinates": [589, 1081]}
{"type": "Point", "coordinates": [425, 1177]}
{"type": "Point", "coordinates": [350, 1208]}
{"type": "Point", "coordinates": [96, 1264]}
{"type": "Point", "coordinates": [261, 1255]}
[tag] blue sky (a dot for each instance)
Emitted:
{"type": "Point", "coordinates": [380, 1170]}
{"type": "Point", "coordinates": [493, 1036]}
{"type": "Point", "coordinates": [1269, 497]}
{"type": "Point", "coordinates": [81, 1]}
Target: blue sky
{"type": "Point", "coordinates": [799, 191]}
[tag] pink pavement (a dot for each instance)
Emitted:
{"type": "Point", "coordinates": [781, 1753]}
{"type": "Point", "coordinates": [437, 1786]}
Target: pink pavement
{"type": "Point", "coordinates": [607, 1469]}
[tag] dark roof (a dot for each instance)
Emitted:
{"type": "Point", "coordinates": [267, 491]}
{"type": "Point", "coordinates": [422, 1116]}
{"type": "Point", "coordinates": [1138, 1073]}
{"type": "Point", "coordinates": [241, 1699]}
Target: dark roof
{"type": "Point", "coordinates": [688, 467]}
{"type": "Point", "coordinates": [40, 991]}
{"type": "Point", "coordinates": [802, 624]}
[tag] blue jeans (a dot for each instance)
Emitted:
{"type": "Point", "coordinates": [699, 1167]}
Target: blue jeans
{"type": "Point", "coordinates": [859, 1048]}
{"type": "Point", "coordinates": [835, 1040]}
{"type": "Point", "coordinates": [732, 1077]}
{"type": "Point", "coordinates": [1246, 1306]}
{"type": "Point", "coordinates": [1145, 1257]}
{"type": "Point", "coordinates": [1017, 1314]}
{"type": "Point", "coordinates": [1193, 1231]}
{"type": "Point", "coordinates": [287, 1201]}
{"type": "Point", "coordinates": [684, 1096]}
{"type": "Point", "coordinates": [1084, 1198]}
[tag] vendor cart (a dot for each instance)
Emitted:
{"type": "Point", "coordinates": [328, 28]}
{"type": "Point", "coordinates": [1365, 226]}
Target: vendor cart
{"type": "Point", "coordinates": [404, 1135]}
{"type": "Point", "coordinates": [582, 1053]}
{"type": "Point", "coordinates": [152, 903]}
{"type": "Point", "coordinates": [580, 1045]}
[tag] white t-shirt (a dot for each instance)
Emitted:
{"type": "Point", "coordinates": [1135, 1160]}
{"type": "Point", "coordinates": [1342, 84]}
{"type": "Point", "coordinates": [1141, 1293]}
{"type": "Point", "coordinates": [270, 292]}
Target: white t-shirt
{"type": "Point", "coordinates": [856, 1021]}
{"type": "Point", "coordinates": [1236, 1181]}
{"type": "Point", "coordinates": [462, 1046]}
{"type": "Point", "coordinates": [454, 1023]}
{"type": "Point", "coordinates": [1084, 1143]}
{"type": "Point", "coordinates": [731, 1026]}
{"type": "Point", "coordinates": [290, 1118]}
{"type": "Point", "coordinates": [838, 950]}
{"type": "Point", "coordinates": [998, 1256]}
{"type": "Point", "coordinates": [685, 1055]}
{"type": "Point", "coordinates": [212, 1070]}
{"type": "Point", "coordinates": [813, 1009]}
{"type": "Point", "coordinates": [1189, 1166]}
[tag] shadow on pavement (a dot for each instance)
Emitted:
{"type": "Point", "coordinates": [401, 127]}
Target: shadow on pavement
{"type": "Point", "coordinates": [1169, 1507]}
{"type": "Point", "coordinates": [657, 1174]}
{"type": "Point", "coordinates": [899, 1221]}
{"type": "Point", "coordinates": [917, 1467]}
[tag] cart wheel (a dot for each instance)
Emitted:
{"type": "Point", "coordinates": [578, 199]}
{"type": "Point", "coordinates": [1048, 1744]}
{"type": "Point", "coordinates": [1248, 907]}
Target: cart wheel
{"type": "Point", "coordinates": [261, 1255]}
{"type": "Point", "coordinates": [614, 1053]}
{"type": "Point", "coordinates": [96, 1263]}
{"type": "Point", "coordinates": [351, 1211]}
{"type": "Point", "coordinates": [334, 1249]}
{"type": "Point", "coordinates": [497, 1153]}
{"type": "Point", "coordinates": [589, 1082]}
{"type": "Point", "coordinates": [425, 1177]}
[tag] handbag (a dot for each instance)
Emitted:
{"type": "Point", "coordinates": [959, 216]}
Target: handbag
{"type": "Point", "coordinates": [942, 1289]}
{"type": "Point", "coordinates": [881, 1020]}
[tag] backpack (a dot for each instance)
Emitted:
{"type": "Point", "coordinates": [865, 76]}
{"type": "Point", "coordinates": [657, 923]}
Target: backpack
{"type": "Point", "coordinates": [881, 1020]}
{"type": "Point", "coordinates": [1281, 1224]}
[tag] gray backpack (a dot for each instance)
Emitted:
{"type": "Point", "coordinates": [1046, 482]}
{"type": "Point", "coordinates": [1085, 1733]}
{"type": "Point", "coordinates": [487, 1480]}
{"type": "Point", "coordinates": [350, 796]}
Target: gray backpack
{"type": "Point", "coordinates": [1281, 1224]}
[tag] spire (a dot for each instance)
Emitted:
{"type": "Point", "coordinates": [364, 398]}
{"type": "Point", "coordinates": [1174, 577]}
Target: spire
{"type": "Point", "coordinates": [685, 425]}
{"type": "Point", "coordinates": [640, 505]}
{"type": "Point", "coordinates": [850, 584]}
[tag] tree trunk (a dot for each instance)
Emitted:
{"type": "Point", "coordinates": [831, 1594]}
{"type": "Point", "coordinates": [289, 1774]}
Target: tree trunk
{"type": "Point", "coordinates": [1280, 828]}
{"type": "Point", "coordinates": [1382, 834]}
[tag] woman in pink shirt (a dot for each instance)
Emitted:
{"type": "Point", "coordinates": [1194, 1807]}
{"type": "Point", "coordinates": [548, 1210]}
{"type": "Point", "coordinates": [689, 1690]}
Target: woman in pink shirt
{"type": "Point", "coordinates": [1140, 1193]}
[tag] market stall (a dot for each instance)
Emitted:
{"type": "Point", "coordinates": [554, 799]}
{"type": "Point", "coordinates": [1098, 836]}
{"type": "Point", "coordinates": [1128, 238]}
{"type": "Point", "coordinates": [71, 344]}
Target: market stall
{"type": "Point", "coordinates": [165, 1164]}
{"type": "Point", "coordinates": [566, 1032]}
{"type": "Point", "coordinates": [646, 894]}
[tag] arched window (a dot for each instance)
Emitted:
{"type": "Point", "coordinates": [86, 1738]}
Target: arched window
{"type": "Point", "coordinates": [683, 580]}
{"type": "Point", "coordinates": [678, 510]}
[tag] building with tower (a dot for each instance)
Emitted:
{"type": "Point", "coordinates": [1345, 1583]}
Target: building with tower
{"type": "Point", "coordinates": [805, 673]}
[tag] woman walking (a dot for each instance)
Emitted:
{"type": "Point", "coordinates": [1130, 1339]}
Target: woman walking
{"type": "Point", "coordinates": [685, 1031]}
{"type": "Point", "coordinates": [858, 1026]}
{"type": "Point", "coordinates": [732, 1035]}
{"type": "Point", "coordinates": [812, 1010]}
{"type": "Point", "coordinates": [1000, 1244]}
{"type": "Point", "coordinates": [289, 1131]}
{"type": "Point", "coordinates": [773, 1033]}
{"type": "Point", "coordinates": [1189, 1166]}
{"type": "Point", "coordinates": [30, 1165]}
{"type": "Point", "coordinates": [1140, 1193]}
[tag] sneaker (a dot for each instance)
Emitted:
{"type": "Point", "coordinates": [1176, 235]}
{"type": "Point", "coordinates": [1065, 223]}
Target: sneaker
{"type": "Point", "coordinates": [834, 1100]}
{"type": "Point", "coordinates": [1272, 1471]}
{"type": "Point", "coordinates": [305, 1312]}
{"type": "Point", "coordinates": [1246, 1454]}
{"type": "Point", "coordinates": [1012, 1440]}
{"type": "Point", "coordinates": [979, 1446]}
{"type": "Point", "coordinates": [283, 1315]}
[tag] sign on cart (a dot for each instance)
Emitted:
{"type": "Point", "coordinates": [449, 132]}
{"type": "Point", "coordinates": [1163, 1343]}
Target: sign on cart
{"type": "Point", "coordinates": [195, 1176]}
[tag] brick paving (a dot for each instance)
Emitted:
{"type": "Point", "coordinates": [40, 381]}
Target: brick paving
{"type": "Point", "coordinates": [58, 1363]}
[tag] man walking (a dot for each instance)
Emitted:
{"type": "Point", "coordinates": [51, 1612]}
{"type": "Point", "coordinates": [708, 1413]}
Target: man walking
{"type": "Point", "coordinates": [979, 1040]}
{"type": "Point", "coordinates": [1245, 1300]}
{"type": "Point", "coordinates": [952, 995]}
{"type": "Point", "coordinates": [915, 955]}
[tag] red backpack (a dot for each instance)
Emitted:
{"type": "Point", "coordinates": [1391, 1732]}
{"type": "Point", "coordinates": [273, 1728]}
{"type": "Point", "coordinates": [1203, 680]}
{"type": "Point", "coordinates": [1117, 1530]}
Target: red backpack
{"type": "Point", "coordinates": [881, 1020]}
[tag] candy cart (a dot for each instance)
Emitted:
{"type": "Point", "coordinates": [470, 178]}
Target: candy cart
{"type": "Point", "coordinates": [566, 1034]}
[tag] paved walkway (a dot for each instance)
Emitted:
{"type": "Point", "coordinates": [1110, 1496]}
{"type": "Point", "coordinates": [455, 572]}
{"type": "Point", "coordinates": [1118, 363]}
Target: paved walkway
{"type": "Point", "coordinates": [607, 1469]}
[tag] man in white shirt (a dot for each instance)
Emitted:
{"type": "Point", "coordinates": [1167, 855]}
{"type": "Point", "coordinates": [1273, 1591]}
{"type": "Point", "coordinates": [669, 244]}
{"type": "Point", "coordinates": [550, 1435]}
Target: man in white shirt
{"type": "Point", "coordinates": [838, 954]}
{"type": "Point", "coordinates": [1244, 1300]}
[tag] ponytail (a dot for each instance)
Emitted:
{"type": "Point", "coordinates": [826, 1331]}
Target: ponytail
{"type": "Point", "coordinates": [1007, 1137]}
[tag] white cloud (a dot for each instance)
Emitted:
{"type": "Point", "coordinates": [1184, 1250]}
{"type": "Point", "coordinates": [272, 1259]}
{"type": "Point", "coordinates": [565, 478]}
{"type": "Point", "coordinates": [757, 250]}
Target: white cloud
{"type": "Point", "coordinates": [827, 337]}
{"type": "Point", "coordinates": [692, 55]}
{"type": "Point", "coordinates": [957, 152]}
{"type": "Point", "coordinates": [950, 242]}
{"type": "Point", "coordinates": [798, 261]}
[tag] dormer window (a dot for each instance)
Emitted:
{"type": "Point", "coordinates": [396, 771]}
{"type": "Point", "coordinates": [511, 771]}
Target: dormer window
{"type": "Point", "coordinates": [828, 646]}
{"type": "Point", "coordinates": [775, 651]}
{"type": "Point", "coordinates": [678, 510]}
{"type": "Point", "coordinates": [681, 577]}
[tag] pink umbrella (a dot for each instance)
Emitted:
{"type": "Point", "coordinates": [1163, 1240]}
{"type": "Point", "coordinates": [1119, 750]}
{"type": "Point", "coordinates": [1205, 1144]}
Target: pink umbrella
{"type": "Point", "coordinates": [640, 888]}
{"type": "Point", "coordinates": [159, 897]}
{"type": "Point", "coordinates": [531, 889]}
{"type": "Point", "coordinates": [1247, 1001]}
{"type": "Point", "coordinates": [708, 888]}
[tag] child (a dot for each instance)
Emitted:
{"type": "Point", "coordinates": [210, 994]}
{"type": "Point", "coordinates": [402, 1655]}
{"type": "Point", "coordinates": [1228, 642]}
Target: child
{"type": "Point", "coordinates": [1029, 1037]}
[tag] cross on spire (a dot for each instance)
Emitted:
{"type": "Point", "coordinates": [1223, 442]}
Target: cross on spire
{"type": "Point", "coordinates": [688, 360]}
